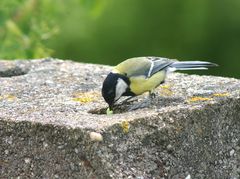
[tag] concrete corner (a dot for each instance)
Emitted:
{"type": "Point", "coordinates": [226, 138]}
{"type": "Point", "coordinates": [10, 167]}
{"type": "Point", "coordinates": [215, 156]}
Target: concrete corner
{"type": "Point", "coordinates": [52, 126]}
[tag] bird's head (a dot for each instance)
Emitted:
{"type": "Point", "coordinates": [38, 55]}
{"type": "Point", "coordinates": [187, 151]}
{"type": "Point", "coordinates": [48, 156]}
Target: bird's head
{"type": "Point", "coordinates": [114, 86]}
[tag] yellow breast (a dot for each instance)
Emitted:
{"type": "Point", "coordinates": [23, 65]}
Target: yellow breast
{"type": "Point", "coordinates": [140, 84]}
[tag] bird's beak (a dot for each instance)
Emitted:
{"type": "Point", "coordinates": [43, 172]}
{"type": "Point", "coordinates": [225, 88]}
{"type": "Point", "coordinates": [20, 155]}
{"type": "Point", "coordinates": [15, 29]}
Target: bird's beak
{"type": "Point", "coordinates": [110, 106]}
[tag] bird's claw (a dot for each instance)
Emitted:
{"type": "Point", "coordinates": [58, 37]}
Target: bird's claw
{"type": "Point", "coordinates": [152, 95]}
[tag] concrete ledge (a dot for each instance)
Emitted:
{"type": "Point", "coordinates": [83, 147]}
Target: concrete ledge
{"type": "Point", "coordinates": [51, 126]}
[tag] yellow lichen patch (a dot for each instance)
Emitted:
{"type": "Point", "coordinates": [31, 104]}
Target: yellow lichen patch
{"type": "Point", "coordinates": [220, 94]}
{"type": "Point", "coordinates": [1, 97]}
{"type": "Point", "coordinates": [165, 86]}
{"type": "Point", "coordinates": [198, 98]}
{"type": "Point", "coordinates": [199, 131]}
{"type": "Point", "coordinates": [85, 97]}
{"type": "Point", "coordinates": [165, 90]}
{"type": "Point", "coordinates": [125, 126]}
{"type": "Point", "coordinates": [10, 97]}
{"type": "Point", "coordinates": [178, 128]}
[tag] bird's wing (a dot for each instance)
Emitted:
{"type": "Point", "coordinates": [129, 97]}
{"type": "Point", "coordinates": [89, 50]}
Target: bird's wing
{"type": "Point", "coordinates": [142, 66]}
{"type": "Point", "coordinates": [159, 64]}
{"type": "Point", "coordinates": [138, 66]}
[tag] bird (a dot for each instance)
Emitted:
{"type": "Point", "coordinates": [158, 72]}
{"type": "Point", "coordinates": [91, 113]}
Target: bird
{"type": "Point", "coordinates": [138, 75]}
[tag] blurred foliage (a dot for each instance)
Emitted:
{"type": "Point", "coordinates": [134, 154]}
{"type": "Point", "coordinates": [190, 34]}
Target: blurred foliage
{"type": "Point", "coordinates": [107, 32]}
{"type": "Point", "coordinates": [25, 26]}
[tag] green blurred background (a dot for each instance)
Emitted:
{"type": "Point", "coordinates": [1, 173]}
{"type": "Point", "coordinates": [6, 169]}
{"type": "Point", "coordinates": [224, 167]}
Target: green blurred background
{"type": "Point", "coordinates": [107, 32]}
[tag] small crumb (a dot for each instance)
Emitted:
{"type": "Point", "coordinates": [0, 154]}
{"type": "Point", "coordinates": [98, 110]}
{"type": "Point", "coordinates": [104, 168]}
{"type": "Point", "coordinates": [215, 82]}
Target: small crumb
{"type": "Point", "coordinates": [188, 177]}
{"type": "Point", "coordinates": [169, 148]}
{"type": "Point", "coordinates": [60, 147]}
{"type": "Point", "coordinates": [27, 160]}
{"type": "Point", "coordinates": [6, 152]}
{"type": "Point", "coordinates": [171, 120]}
{"type": "Point", "coordinates": [45, 145]}
{"type": "Point", "coordinates": [76, 151]}
{"type": "Point", "coordinates": [56, 176]}
{"type": "Point", "coordinates": [232, 152]}
{"type": "Point", "coordinates": [95, 136]}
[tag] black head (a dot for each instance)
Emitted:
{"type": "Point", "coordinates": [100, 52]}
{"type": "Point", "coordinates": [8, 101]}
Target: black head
{"type": "Point", "coordinates": [113, 87]}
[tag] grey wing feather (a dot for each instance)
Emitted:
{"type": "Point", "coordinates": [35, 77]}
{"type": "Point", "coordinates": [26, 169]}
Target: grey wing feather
{"type": "Point", "coordinates": [143, 66]}
{"type": "Point", "coordinates": [148, 66]}
{"type": "Point", "coordinates": [159, 64]}
{"type": "Point", "coordinates": [192, 65]}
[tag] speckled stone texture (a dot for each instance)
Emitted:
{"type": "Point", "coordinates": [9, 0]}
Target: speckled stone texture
{"type": "Point", "coordinates": [50, 109]}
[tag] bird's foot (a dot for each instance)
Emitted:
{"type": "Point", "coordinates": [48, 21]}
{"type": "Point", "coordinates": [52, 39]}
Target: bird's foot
{"type": "Point", "coordinates": [127, 100]}
{"type": "Point", "coordinates": [152, 95]}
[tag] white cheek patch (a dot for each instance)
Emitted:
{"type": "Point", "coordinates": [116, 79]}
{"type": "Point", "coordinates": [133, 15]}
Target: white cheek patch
{"type": "Point", "coordinates": [121, 88]}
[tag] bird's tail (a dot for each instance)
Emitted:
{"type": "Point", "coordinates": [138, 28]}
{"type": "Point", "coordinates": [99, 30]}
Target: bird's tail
{"type": "Point", "coordinates": [191, 65]}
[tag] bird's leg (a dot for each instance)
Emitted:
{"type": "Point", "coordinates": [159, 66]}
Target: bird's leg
{"type": "Point", "coordinates": [152, 95]}
{"type": "Point", "coordinates": [126, 100]}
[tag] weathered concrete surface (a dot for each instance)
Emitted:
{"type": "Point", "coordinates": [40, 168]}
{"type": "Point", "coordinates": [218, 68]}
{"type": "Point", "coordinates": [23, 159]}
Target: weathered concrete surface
{"type": "Point", "coordinates": [191, 129]}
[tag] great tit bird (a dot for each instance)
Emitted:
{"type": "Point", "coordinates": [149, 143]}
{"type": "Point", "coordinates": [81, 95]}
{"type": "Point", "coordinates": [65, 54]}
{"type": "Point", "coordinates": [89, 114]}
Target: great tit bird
{"type": "Point", "coordinates": [137, 75]}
